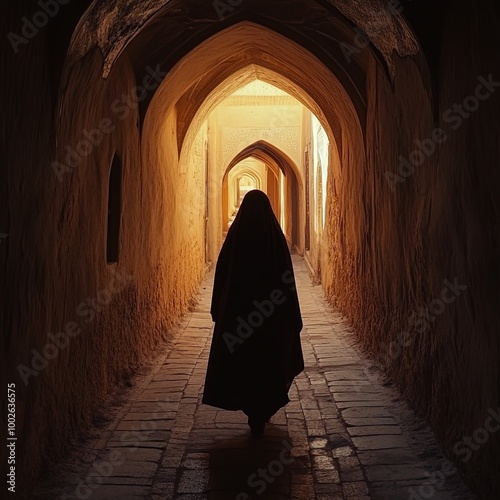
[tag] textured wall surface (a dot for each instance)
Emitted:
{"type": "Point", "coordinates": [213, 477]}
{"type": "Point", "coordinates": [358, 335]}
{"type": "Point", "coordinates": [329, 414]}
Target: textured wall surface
{"type": "Point", "coordinates": [60, 257]}
{"type": "Point", "coordinates": [393, 252]}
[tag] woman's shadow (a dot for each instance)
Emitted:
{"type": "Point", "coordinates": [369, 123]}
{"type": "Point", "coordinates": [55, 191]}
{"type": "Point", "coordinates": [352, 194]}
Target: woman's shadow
{"type": "Point", "coordinates": [244, 467]}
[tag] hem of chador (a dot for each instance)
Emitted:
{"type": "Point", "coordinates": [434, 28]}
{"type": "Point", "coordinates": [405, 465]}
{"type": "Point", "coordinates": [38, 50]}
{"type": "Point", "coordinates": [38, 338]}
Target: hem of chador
{"type": "Point", "coordinates": [245, 409]}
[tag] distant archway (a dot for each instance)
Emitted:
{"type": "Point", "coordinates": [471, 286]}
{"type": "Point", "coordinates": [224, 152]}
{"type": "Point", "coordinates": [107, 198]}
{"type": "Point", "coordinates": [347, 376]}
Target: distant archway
{"type": "Point", "coordinates": [218, 66]}
{"type": "Point", "coordinates": [284, 186]}
{"type": "Point", "coordinates": [231, 193]}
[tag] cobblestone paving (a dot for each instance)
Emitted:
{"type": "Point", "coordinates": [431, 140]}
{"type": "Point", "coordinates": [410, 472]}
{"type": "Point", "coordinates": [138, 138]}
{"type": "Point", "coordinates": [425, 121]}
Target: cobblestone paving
{"type": "Point", "coordinates": [346, 434]}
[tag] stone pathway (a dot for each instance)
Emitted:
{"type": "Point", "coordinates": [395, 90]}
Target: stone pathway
{"type": "Point", "coordinates": [346, 434]}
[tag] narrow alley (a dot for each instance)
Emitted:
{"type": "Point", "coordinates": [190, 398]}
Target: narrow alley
{"type": "Point", "coordinates": [344, 435]}
{"type": "Point", "coordinates": [132, 133]}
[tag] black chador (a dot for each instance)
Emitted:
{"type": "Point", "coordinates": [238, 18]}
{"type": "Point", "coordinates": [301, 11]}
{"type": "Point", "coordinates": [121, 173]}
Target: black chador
{"type": "Point", "coordinates": [256, 351]}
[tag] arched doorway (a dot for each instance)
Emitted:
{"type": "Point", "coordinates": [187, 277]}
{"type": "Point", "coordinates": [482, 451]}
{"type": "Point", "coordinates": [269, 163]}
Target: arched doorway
{"type": "Point", "coordinates": [283, 185]}
{"type": "Point", "coordinates": [244, 176]}
{"type": "Point", "coordinates": [180, 114]}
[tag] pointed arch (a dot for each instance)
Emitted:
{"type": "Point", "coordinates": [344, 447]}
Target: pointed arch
{"type": "Point", "coordinates": [286, 195]}
{"type": "Point", "coordinates": [233, 57]}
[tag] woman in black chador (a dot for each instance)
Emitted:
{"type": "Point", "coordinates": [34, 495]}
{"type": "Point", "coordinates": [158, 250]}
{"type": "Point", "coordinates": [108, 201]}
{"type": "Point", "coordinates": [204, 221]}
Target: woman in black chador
{"type": "Point", "coordinates": [255, 352]}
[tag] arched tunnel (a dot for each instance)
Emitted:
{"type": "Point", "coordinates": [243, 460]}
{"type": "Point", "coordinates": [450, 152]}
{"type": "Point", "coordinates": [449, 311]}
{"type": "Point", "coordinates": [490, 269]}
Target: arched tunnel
{"type": "Point", "coordinates": [131, 132]}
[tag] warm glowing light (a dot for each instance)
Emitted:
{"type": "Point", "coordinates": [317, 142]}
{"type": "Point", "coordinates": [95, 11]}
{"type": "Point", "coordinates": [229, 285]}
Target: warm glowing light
{"type": "Point", "coordinates": [259, 111]}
